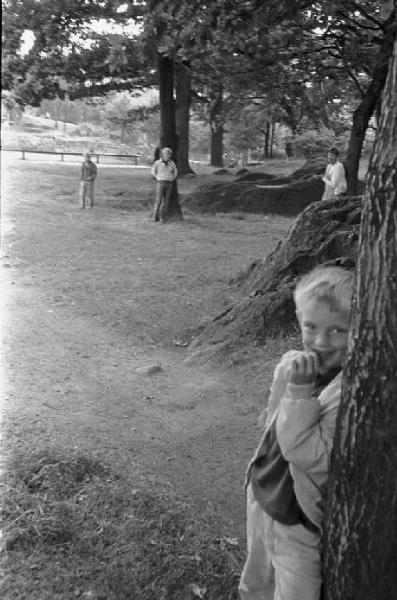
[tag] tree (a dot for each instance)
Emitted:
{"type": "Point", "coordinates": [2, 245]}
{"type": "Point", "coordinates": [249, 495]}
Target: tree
{"type": "Point", "coordinates": [251, 127]}
{"type": "Point", "coordinates": [168, 136]}
{"type": "Point", "coordinates": [361, 523]}
{"type": "Point", "coordinates": [156, 32]}
{"type": "Point", "coordinates": [249, 48]}
{"type": "Point", "coordinates": [182, 115]}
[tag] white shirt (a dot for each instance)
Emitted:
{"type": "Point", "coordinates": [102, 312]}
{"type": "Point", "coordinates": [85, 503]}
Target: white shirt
{"type": "Point", "coordinates": [164, 171]}
{"type": "Point", "coordinates": [335, 180]}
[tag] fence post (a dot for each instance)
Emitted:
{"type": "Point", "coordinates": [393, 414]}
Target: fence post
{"type": "Point", "coordinates": [136, 160]}
{"type": "Point", "coordinates": [23, 154]}
{"type": "Point", "coordinates": [97, 158]}
{"type": "Point", "coordinates": [62, 158]}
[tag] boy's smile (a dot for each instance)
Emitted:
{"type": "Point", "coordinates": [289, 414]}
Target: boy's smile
{"type": "Point", "coordinates": [324, 332]}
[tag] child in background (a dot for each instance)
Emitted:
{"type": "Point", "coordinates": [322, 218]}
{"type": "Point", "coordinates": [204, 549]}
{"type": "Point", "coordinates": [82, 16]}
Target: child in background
{"type": "Point", "coordinates": [164, 171]}
{"type": "Point", "coordinates": [287, 477]}
{"type": "Point", "coordinates": [87, 180]}
{"type": "Point", "coordinates": [334, 177]}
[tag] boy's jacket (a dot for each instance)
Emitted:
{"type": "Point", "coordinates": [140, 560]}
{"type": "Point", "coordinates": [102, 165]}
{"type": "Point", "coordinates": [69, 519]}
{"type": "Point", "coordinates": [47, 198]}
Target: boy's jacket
{"type": "Point", "coordinates": [305, 433]}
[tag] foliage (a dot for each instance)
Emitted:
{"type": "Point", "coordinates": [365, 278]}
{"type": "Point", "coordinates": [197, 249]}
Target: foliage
{"type": "Point", "coordinates": [270, 49]}
{"type": "Point", "coordinates": [122, 110]}
{"type": "Point", "coordinates": [80, 111]}
{"type": "Point", "coordinates": [311, 63]}
{"type": "Point", "coordinates": [198, 136]}
{"type": "Point", "coordinates": [68, 57]}
{"type": "Point", "coordinates": [316, 142]}
{"type": "Point", "coordinates": [247, 130]}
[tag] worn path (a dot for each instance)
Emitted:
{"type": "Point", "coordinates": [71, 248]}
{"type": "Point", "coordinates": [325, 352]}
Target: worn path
{"type": "Point", "coordinates": [89, 297]}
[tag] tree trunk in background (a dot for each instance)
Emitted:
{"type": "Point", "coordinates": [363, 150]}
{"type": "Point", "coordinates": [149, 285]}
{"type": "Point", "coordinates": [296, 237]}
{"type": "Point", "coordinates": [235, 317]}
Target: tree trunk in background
{"type": "Point", "coordinates": [365, 110]}
{"type": "Point", "coordinates": [361, 525]}
{"type": "Point", "coordinates": [182, 115]}
{"type": "Point", "coordinates": [273, 127]}
{"type": "Point", "coordinates": [267, 140]}
{"type": "Point", "coordinates": [216, 125]}
{"type": "Point", "coordinates": [168, 135]}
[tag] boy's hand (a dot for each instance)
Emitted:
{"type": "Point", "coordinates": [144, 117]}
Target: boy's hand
{"type": "Point", "coordinates": [304, 369]}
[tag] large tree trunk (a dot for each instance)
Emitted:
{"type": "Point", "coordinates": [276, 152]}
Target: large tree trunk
{"type": "Point", "coordinates": [365, 110]}
{"type": "Point", "coordinates": [216, 127]}
{"type": "Point", "coordinates": [182, 115]}
{"type": "Point", "coordinates": [168, 135]}
{"type": "Point", "coordinates": [361, 523]}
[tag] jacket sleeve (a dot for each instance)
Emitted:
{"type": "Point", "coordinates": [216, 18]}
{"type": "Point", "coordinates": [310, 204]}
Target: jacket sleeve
{"type": "Point", "coordinates": [94, 171]}
{"type": "Point", "coordinates": [154, 170]}
{"type": "Point", "coordinates": [175, 172]}
{"type": "Point", "coordinates": [305, 431]}
{"type": "Point", "coordinates": [277, 389]}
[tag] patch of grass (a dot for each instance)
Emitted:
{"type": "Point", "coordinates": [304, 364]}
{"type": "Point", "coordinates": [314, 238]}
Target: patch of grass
{"type": "Point", "coordinates": [74, 529]}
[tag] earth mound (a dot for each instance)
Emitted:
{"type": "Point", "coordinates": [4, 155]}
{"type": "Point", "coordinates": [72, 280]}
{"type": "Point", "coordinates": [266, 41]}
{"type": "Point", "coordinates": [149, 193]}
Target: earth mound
{"type": "Point", "coordinates": [261, 193]}
{"type": "Point", "coordinates": [248, 176]}
{"type": "Point", "coordinates": [222, 172]}
{"type": "Point", "coordinates": [324, 231]}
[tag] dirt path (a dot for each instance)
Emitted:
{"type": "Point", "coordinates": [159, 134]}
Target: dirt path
{"type": "Point", "coordinates": [92, 296]}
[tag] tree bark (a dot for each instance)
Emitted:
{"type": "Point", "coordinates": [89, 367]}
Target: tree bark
{"type": "Point", "coordinates": [361, 518]}
{"type": "Point", "coordinates": [216, 126]}
{"type": "Point", "coordinates": [267, 140]}
{"type": "Point", "coordinates": [168, 135]}
{"type": "Point", "coordinates": [366, 108]}
{"type": "Point", "coordinates": [182, 116]}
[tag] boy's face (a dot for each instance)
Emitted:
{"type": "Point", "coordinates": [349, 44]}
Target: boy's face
{"type": "Point", "coordinates": [324, 332]}
{"type": "Point", "coordinates": [87, 157]}
{"type": "Point", "coordinates": [166, 154]}
{"type": "Point", "coordinates": [332, 158]}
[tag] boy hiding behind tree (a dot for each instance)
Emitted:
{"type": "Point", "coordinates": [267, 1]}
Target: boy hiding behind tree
{"type": "Point", "coordinates": [287, 477]}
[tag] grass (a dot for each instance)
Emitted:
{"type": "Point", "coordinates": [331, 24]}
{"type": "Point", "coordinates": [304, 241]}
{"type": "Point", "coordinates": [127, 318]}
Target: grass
{"type": "Point", "coordinates": [134, 294]}
{"type": "Point", "coordinates": [72, 528]}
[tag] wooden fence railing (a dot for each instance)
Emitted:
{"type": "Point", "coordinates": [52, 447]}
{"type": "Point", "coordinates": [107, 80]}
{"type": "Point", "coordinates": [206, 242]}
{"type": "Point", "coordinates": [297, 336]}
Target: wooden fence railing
{"type": "Point", "coordinates": [134, 157]}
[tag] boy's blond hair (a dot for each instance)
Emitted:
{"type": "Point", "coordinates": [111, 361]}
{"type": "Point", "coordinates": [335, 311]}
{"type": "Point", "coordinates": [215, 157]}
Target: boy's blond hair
{"type": "Point", "coordinates": [334, 286]}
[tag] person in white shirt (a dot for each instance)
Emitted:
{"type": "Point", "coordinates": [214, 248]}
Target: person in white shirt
{"type": "Point", "coordinates": [164, 171]}
{"type": "Point", "coordinates": [334, 177]}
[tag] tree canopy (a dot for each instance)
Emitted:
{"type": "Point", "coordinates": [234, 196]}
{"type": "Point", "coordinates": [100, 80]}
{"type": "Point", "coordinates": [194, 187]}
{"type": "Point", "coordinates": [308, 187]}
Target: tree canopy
{"type": "Point", "coordinates": [310, 62]}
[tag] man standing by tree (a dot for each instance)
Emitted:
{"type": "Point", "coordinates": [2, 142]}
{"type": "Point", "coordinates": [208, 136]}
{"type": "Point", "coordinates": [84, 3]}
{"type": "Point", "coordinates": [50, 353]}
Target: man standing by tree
{"type": "Point", "coordinates": [165, 172]}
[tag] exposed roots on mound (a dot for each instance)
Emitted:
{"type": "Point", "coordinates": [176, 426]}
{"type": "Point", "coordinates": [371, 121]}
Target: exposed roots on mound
{"type": "Point", "coordinates": [323, 231]}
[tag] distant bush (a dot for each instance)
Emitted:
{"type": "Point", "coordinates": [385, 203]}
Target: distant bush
{"type": "Point", "coordinates": [315, 142]}
{"type": "Point", "coordinates": [85, 129]}
{"type": "Point", "coordinates": [278, 152]}
{"type": "Point", "coordinates": [12, 139]}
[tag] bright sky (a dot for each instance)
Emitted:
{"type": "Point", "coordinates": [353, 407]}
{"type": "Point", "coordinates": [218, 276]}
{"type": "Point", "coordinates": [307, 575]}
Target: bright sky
{"type": "Point", "coordinates": [27, 40]}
